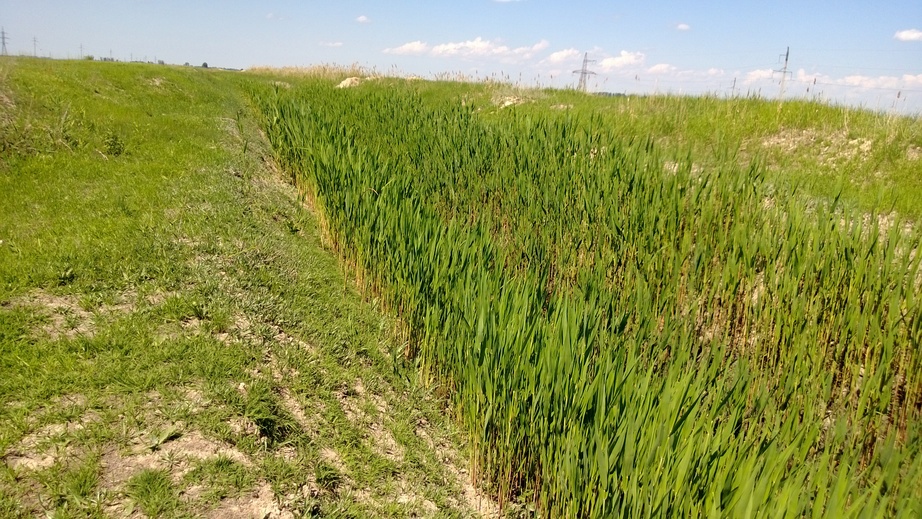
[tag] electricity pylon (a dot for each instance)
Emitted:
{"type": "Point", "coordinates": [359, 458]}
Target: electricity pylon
{"type": "Point", "coordinates": [584, 72]}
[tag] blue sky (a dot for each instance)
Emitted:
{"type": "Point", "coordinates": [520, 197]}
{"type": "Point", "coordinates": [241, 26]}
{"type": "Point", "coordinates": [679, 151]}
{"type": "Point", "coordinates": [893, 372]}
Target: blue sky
{"type": "Point", "coordinates": [859, 52]}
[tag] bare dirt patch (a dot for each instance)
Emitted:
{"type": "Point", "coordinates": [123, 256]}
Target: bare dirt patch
{"type": "Point", "coordinates": [424, 506]}
{"type": "Point", "coordinates": [38, 451]}
{"type": "Point", "coordinates": [914, 153]}
{"type": "Point", "coordinates": [349, 82]}
{"type": "Point", "coordinates": [7, 106]}
{"type": "Point", "coordinates": [471, 496]}
{"type": "Point", "coordinates": [193, 399]}
{"type": "Point", "coordinates": [332, 457]}
{"type": "Point", "coordinates": [414, 505]}
{"type": "Point", "coordinates": [506, 101]}
{"type": "Point", "coordinates": [380, 438]}
{"type": "Point", "coordinates": [294, 408]}
{"type": "Point", "coordinates": [408, 496]}
{"type": "Point", "coordinates": [177, 456]}
{"type": "Point", "coordinates": [254, 331]}
{"type": "Point", "coordinates": [831, 149]}
{"type": "Point", "coordinates": [6, 102]}
{"type": "Point", "coordinates": [44, 447]}
{"type": "Point", "coordinates": [261, 503]}
{"type": "Point", "coordinates": [64, 315]}
{"type": "Point", "coordinates": [383, 442]}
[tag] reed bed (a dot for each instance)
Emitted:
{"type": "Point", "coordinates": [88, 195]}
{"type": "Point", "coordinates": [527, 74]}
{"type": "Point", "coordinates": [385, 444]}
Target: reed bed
{"type": "Point", "coordinates": [621, 334]}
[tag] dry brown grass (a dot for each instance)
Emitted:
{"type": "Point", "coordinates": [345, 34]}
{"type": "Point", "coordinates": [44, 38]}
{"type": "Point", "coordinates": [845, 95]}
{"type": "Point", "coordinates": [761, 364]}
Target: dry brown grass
{"type": "Point", "coordinates": [325, 71]}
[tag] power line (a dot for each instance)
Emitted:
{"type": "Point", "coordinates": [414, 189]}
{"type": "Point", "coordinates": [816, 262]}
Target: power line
{"type": "Point", "coordinates": [784, 70]}
{"type": "Point", "coordinates": [584, 72]}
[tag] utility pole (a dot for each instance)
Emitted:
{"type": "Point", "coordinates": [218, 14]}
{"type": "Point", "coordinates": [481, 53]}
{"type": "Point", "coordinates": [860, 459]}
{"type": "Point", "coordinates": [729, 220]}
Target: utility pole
{"type": "Point", "coordinates": [784, 71]}
{"type": "Point", "coordinates": [584, 72]}
{"type": "Point", "coordinates": [3, 38]}
{"type": "Point", "coordinates": [34, 47]}
{"type": "Point", "coordinates": [81, 51]}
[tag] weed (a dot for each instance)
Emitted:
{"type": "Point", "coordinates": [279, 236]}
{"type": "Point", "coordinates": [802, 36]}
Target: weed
{"type": "Point", "coordinates": [327, 477]}
{"type": "Point", "coordinates": [153, 492]}
{"type": "Point", "coordinates": [114, 145]}
{"type": "Point", "coordinates": [158, 438]}
{"type": "Point", "coordinates": [223, 477]}
{"type": "Point", "coordinates": [262, 407]}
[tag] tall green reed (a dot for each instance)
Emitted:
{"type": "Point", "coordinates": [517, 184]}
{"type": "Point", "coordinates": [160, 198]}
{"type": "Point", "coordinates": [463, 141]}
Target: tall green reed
{"type": "Point", "coordinates": [623, 335]}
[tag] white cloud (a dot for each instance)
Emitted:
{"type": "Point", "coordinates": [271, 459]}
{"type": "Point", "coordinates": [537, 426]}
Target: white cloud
{"type": "Point", "coordinates": [890, 82]}
{"type": "Point", "coordinates": [363, 19]}
{"type": "Point", "coordinates": [474, 47]}
{"type": "Point", "coordinates": [715, 71]}
{"type": "Point", "coordinates": [331, 44]}
{"type": "Point", "coordinates": [909, 35]}
{"type": "Point", "coordinates": [661, 68]}
{"type": "Point", "coordinates": [683, 27]}
{"type": "Point", "coordinates": [478, 48]}
{"type": "Point", "coordinates": [847, 86]}
{"type": "Point", "coordinates": [912, 80]}
{"type": "Point", "coordinates": [622, 60]}
{"type": "Point", "coordinates": [563, 55]}
{"type": "Point", "coordinates": [270, 16]}
{"type": "Point", "coordinates": [411, 48]}
{"type": "Point", "coordinates": [541, 45]}
{"type": "Point", "coordinates": [481, 48]}
{"type": "Point", "coordinates": [758, 75]}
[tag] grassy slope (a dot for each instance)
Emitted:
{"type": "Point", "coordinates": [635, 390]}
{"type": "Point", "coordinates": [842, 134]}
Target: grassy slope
{"type": "Point", "coordinates": [871, 158]}
{"type": "Point", "coordinates": [161, 290]}
{"type": "Point", "coordinates": [173, 337]}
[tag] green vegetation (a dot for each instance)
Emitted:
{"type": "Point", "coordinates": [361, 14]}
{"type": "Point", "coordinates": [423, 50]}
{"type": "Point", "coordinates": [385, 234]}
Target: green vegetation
{"type": "Point", "coordinates": [153, 492]}
{"type": "Point", "coordinates": [635, 314]}
{"type": "Point", "coordinates": [174, 340]}
{"type": "Point", "coordinates": [633, 306]}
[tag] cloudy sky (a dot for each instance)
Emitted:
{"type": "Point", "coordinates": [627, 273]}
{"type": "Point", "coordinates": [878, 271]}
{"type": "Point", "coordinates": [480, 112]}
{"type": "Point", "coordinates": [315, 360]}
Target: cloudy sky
{"type": "Point", "coordinates": [867, 53]}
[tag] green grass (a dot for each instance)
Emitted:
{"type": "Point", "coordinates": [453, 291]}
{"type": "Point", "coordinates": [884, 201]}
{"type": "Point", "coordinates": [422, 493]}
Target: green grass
{"type": "Point", "coordinates": [631, 325]}
{"type": "Point", "coordinates": [162, 286]}
{"type": "Point", "coordinates": [153, 493]}
{"type": "Point", "coordinates": [871, 158]}
{"type": "Point", "coordinates": [177, 333]}
{"type": "Point", "coordinates": [223, 477]}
